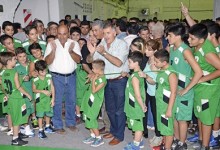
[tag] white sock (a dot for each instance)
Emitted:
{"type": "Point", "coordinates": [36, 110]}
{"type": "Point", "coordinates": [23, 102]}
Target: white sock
{"type": "Point", "coordinates": [215, 133]}
{"type": "Point", "coordinates": [78, 115]}
{"type": "Point", "coordinates": [40, 129]}
{"type": "Point", "coordinates": [47, 125]}
{"type": "Point", "coordinates": [92, 135]}
{"type": "Point", "coordinates": [98, 137]}
{"type": "Point", "coordinates": [136, 143]}
{"type": "Point", "coordinates": [14, 137]}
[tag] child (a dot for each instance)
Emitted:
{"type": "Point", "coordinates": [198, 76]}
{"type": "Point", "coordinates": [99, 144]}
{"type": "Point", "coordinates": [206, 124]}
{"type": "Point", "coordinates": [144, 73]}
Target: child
{"type": "Point", "coordinates": [183, 62]}
{"type": "Point", "coordinates": [75, 33]}
{"type": "Point", "coordinates": [36, 52]}
{"type": "Point", "coordinates": [50, 38]}
{"type": "Point", "coordinates": [8, 29]}
{"type": "Point", "coordinates": [206, 94]}
{"type": "Point", "coordinates": [22, 68]}
{"type": "Point", "coordinates": [165, 96]}
{"type": "Point", "coordinates": [134, 101]}
{"type": "Point", "coordinates": [82, 42]}
{"type": "Point", "coordinates": [44, 96]}
{"type": "Point", "coordinates": [7, 43]}
{"type": "Point", "coordinates": [13, 90]}
{"type": "Point", "coordinates": [32, 35]}
{"type": "Point", "coordinates": [92, 102]}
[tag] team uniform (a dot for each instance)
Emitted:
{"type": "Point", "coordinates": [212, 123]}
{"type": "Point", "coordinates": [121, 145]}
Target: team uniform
{"type": "Point", "coordinates": [132, 108]}
{"type": "Point", "coordinates": [27, 43]}
{"type": "Point", "coordinates": [92, 103]}
{"type": "Point", "coordinates": [81, 85]}
{"type": "Point", "coordinates": [164, 125]}
{"type": "Point", "coordinates": [218, 109]}
{"type": "Point", "coordinates": [184, 71]}
{"type": "Point", "coordinates": [43, 102]}
{"type": "Point", "coordinates": [207, 95]}
{"type": "Point", "coordinates": [26, 85]}
{"type": "Point", "coordinates": [17, 43]}
{"type": "Point", "coordinates": [16, 103]}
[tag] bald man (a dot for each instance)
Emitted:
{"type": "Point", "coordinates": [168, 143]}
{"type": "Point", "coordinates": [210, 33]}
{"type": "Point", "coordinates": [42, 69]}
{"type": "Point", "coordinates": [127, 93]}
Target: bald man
{"type": "Point", "coordinates": [62, 56]}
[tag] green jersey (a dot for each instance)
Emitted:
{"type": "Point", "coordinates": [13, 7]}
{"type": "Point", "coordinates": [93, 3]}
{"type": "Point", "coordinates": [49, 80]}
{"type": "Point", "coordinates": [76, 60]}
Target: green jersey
{"type": "Point", "coordinates": [17, 43]}
{"type": "Point", "coordinates": [133, 109]}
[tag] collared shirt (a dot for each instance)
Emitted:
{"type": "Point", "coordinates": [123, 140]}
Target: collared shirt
{"type": "Point", "coordinates": [63, 62]}
{"type": "Point", "coordinates": [86, 37]}
{"type": "Point", "coordinates": [130, 38]}
{"type": "Point", "coordinates": [121, 35]}
{"type": "Point", "coordinates": [117, 49]}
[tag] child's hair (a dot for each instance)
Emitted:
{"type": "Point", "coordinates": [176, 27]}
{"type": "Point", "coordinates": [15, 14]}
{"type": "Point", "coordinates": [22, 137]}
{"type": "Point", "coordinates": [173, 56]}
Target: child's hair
{"type": "Point", "coordinates": [40, 65]}
{"type": "Point", "coordinates": [136, 56]}
{"type": "Point", "coordinates": [5, 57]}
{"type": "Point", "coordinates": [19, 50]}
{"type": "Point", "coordinates": [214, 28]}
{"type": "Point", "coordinates": [99, 63]}
{"type": "Point", "coordinates": [29, 28]}
{"type": "Point", "coordinates": [34, 46]}
{"type": "Point", "coordinates": [5, 37]}
{"type": "Point", "coordinates": [82, 39]}
{"type": "Point", "coordinates": [50, 37]}
{"type": "Point", "coordinates": [177, 29]}
{"type": "Point", "coordinates": [75, 29]}
{"type": "Point", "coordinates": [155, 45]}
{"type": "Point", "coordinates": [162, 55]}
{"type": "Point", "coordinates": [139, 43]}
{"type": "Point", "coordinates": [199, 30]}
{"type": "Point", "coordinates": [6, 23]}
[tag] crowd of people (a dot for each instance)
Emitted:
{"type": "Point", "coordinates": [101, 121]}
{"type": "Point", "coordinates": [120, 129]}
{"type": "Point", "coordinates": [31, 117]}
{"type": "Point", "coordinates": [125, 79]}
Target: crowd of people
{"type": "Point", "coordinates": [146, 75]}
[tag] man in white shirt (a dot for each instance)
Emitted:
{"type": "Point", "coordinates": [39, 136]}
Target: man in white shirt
{"type": "Point", "coordinates": [62, 56]}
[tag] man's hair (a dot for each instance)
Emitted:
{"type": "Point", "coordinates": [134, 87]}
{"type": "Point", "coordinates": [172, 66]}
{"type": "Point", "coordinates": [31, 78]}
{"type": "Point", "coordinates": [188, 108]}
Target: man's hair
{"type": "Point", "coordinates": [199, 30]}
{"type": "Point", "coordinates": [98, 23]}
{"type": "Point", "coordinates": [5, 37]}
{"type": "Point", "coordinates": [35, 22]}
{"type": "Point", "coordinates": [214, 28]}
{"type": "Point", "coordinates": [122, 25]}
{"type": "Point", "coordinates": [5, 57]}
{"type": "Point", "coordinates": [85, 22]}
{"type": "Point", "coordinates": [143, 28]}
{"type": "Point", "coordinates": [67, 16]}
{"type": "Point", "coordinates": [108, 25]}
{"type": "Point", "coordinates": [63, 20]}
{"type": "Point", "coordinates": [99, 63]}
{"type": "Point", "coordinates": [51, 23]}
{"type": "Point", "coordinates": [28, 28]}
{"type": "Point", "coordinates": [162, 55]}
{"type": "Point", "coordinates": [6, 23]}
{"type": "Point", "coordinates": [34, 46]}
{"type": "Point", "coordinates": [75, 29]}
{"type": "Point", "coordinates": [133, 29]}
{"type": "Point", "coordinates": [16, 26]}
{"type": "Point", "coordinates": [136, 56]}
{"type": "Point", "coordinates": [20, 50]}
{"type": "Point", "coordinates": [72, 21]}
{"type": "Point", "coordinates": [40, 65]}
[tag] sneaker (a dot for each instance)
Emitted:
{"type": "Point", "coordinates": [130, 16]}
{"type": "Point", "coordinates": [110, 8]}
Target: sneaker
{"type": "Point", "coordinates": [97, 142]}
{"type": "Point", "coordinates": [49, 130]}
{"type": "Point", "coordinates": [175, 144]}
{"type": "Point", "coordinates": [10, 132]}
{"type": "Point", "coordinates": [141, 144]}
{"type": "Point", "coordinates": [2, 128]}
{"type": "Point", "coordinates": [22, 136]}
{"type": "Point", "coordinates": [19, 142]}
{"type": "Point", "coordinates": [156, 141]}
{"type": "Point", "coordinates": [150, 128]}
{"type": "Point", "coordinates": [214, 142]}
{"type": "Point", "coordinates": [79, 120]}
{"type": "Point", "coordinates": [181, 147]}
{"type": "Point", "coordinates": [34, 123]}
{"type": "Point", "coordinates": [89, 140]}
{"type": "Point", "coordinates": [197, 145]}
{"type": "Point", "coordinates": [42, 135]}
{"type": "Point", "coordinates": [51, 123]}
{"type": "Point", "coordinates": [204, 148]}
{"type": "Point", "coordinates": [193, 139]}
{"type": "Point", "coordinates": [28, 131]}
{"type": "Point", "coordinates": [131, 146]}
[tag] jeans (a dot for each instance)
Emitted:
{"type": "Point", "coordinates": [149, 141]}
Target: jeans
{"type": "Point", "coordinates": [114, 104]}
{"type": "Point", "coordinates": [65, 87]}
{"type": "Point", "coordinates": [150, 121]}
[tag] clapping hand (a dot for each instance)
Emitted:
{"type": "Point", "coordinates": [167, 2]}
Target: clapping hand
{"type": "Point", "coordinates": [71, 47]}
{"type": "Point", "coordinates": [100, 49]}
{"type": "Point", "coordinates": [91, 47]}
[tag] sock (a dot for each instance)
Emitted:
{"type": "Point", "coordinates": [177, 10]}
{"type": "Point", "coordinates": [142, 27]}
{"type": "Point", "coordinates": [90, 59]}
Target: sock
{"type": "Point", "coordinates": [40, 129]}
{"type": "Point", "coordinates": [92, 135]}
{"type": "Point", "coordinates": [47, 125]}
{"type": "Point", "coordinates": [78, 115]}
{"type": "Point", "coordinates": [215, 133]}
{"type": "Point", "coordinates": [180, 143]}
{"type": "Point", "coordinates": [14, 137]}
{"type": "Point", "coordinates": [98, 137]}
{"type": "Point", "coordinates": [136, 143]}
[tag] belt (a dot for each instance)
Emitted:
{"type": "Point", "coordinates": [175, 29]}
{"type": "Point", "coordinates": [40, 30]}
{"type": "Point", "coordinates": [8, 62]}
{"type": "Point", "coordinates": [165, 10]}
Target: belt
{"type": "Point", "coordinates": [118, 78]}
{"type": "Point", "coordinates": [64, 75]}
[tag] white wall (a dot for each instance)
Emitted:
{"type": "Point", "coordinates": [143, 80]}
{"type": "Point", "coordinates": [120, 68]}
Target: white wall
{"type": "Point", "coordinates": [216, 9]}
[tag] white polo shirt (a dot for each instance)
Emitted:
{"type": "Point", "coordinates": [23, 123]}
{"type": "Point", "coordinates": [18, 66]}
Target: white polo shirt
{"type": "Point", "coordinates": [63, 62]}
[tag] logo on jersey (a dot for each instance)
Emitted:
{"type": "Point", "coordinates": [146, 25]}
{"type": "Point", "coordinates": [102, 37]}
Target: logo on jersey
{"type": "Point", "coordinates": [176, 60]}
{"type": "Point", "coordinates": [197, 58]}
{"type": "Point", "coordinates": [161, 80]}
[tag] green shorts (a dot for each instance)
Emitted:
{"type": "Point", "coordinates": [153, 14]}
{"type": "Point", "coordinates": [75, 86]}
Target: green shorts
{"type": "Point", "coordinates": [42, 114]}
{"type": "Point", "coordinates": [4, 104]}
{"type": "Point", "coordinates": [135, 124]}
{"type": "Point", "coordinates": [218, 111]}
{"type": "Point", "coordinates": [90, 123]}
{"type": "Point", "coordinates": [30, 106]}
{"type": "Point", "coordinates": [165, 125]}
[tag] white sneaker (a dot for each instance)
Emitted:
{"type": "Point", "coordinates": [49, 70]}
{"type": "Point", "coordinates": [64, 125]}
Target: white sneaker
{"type": "Point", "coordinates": [2, 128]}
{"type": "Point", "coordinates": [150, 128]}
{"type": "Point", "coordinates": [156, 141]}
{"type": "Point", "coordinates": [10, 132]}
{"type": "Point", "coordinates": [28, 131]}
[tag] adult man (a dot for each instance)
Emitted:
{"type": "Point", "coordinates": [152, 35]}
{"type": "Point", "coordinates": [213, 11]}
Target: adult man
{"type": "Point", "coordinates": [61, 56]}
{"type": "Point", "coordinates": [40, 29]}
{"type": "Point", "coordinates": [114, 52]}
{"type": "Point", "coordinates": [85, 27]}
{"type": "Point", "coordinates": [52, 28]}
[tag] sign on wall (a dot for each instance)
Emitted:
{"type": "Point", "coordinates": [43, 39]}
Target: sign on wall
{"type": "Point", "coordinates": [27, 16]}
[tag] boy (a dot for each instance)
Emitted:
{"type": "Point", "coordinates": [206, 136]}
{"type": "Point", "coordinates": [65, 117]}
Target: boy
{"type": "Point", "coordinates": [13, 91]}
{"type": "Point", "coordinates": [44, 96]}
{"type": "Point", "coordinates": [22, 68]}
{"type": "Point", "coordinates": [92, 102]}
{"type": "Point", "coordinates": [206, 94]}
{"type": "Point", "coordinates": [8, 29]}
{"type": "Point", "coordinates": [32, 35]}
{"type": "Point", "coordinates": [134, 101]}
{"type": "Point", "coordinates": [165, 96]}
{"type": "Point", "coordinates": [75, 33]}
{"type": "Point", "coordinates": [7, 44]}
